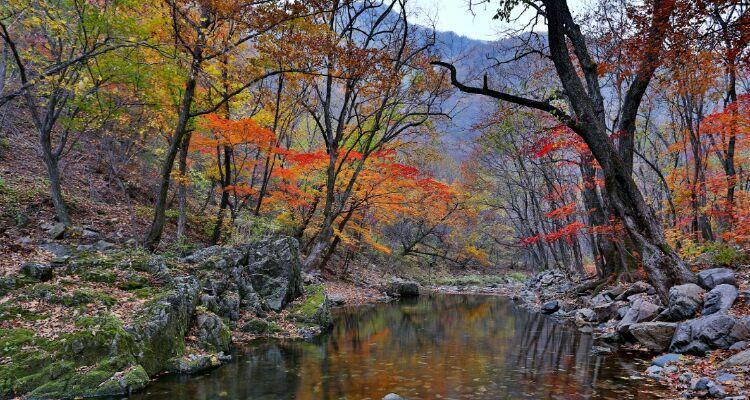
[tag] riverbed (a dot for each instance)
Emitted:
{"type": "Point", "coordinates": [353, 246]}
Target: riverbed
{"type": "Point", "coordinates": [432, 347]}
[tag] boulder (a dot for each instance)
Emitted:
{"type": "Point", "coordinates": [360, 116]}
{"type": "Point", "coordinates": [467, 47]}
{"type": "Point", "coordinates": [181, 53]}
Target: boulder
{"type": "Point", "coordinates": [711, 278]}
{"type": "Point", "coordinates": [262, 275]}
{"type": "Point", "coordinates": [314, 308]}
{"type": "Point", "coordinates": [196, 363]}
{"type": "Point", "coordinates": [684, 302]}
{"type": "Point", "coordinates": [550, 307]}
{"type": "Point", "coordinates": [275, 271]}
{"type": "Point", "coordinates": [213, 335]}
{"type": "Point", "coordinates": [402, 288]}
{"type": "Point", "coordinates": [640, 310]}
{"type": "Point", "coordinates": [719, 299]}
{"type": "Point", "coordinates": [740, 359]}
{"type": "Point", "coordinates": [716, 331]}
{"type": "Point", "coordinates": [37, 271]}
{"type": "Point", "coordinates": [392, 396]}
{"type": "Point", "coordinates": [655, 336]}
{"type": "Point", "coordinates": [584, 316]}
{"type": "Point", "coordinates": [164, 321]}
{"type": "Point", "coordinates": [607, 311]}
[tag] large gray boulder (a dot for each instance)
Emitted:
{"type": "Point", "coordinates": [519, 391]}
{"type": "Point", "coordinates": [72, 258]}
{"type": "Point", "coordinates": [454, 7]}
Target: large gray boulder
{"type": "Point", "coordinates": [717, 331]}
{"type": "Point", "coordinates": [640, 310]}
{"type": "Point", "coordinates": [684, 302]}
{"type": "Point", "coordinates": [275, 271]}
{"type": "Point", "coordinates": [262, 275]}
{"type": "Point", "coordinates": [655, 336]}
{"type": "Point", "coordinates": [163, 321]}
{"type": "Point", "coordinates": [212, 334]}
{"type": "Point", "coordinates": [719, 299]}
{"type": "Point", "coordinates": [711, 278]}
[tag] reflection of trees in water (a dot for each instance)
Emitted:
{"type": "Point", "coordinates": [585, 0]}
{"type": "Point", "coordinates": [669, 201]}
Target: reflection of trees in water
{"type": "Point", "coordinates": [467, 347]}
{"type": "Point", "coordinates": [551, 358]}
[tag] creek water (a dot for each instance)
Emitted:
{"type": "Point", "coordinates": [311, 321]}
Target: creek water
{"type": "Point", "coordinates": [431, 347]}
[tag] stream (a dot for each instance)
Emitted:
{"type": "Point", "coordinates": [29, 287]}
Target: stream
{"type": "Point", "coordinates": [431, 347]}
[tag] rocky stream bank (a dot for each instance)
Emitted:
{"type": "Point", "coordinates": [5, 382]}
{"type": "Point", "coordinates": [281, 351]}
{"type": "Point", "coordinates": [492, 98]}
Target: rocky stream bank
{"type": "Point", "coordinates": [93, 323]}
{"type": "Point", "coordinates": [699, 339]}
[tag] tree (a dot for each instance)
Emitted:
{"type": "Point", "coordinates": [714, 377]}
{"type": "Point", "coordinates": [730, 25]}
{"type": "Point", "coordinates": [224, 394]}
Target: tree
{"type": "Point", "coordinates": [373, 86]}
{"type": "Point", "coordinates": [582, 90]}
{"type": "Point", "coordinates": [57, 41]}
{"type": "Point", "coordinates": [203, 33]}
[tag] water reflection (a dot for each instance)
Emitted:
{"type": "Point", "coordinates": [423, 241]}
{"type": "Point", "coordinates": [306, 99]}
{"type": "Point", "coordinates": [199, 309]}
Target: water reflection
{"type": "Point", "coordinates": [437, 347]}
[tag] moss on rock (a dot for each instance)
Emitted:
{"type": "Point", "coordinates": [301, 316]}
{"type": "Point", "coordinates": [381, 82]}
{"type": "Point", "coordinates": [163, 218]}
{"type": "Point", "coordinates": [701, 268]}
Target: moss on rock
{"type": "Point", "coordinates": [314, 308]}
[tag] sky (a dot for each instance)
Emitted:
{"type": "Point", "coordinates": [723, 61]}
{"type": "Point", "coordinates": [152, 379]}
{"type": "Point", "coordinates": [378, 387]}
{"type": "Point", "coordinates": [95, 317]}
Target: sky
{"type": "Point", "coordinates": [454, 16]}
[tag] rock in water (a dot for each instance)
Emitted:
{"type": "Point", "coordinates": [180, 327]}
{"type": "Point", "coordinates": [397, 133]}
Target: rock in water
{"type": "Point", "coordinates": [684, 302]}
{"type": "Point", "coordinates": [711, 278]}
{"type": "Point", "coordinates": [720, 299]}
{"type": "Point", "coordinates": [655, 336]}
{"type": "Point", "coordinates": [392, 396]}
{"type": "Point", "coordinates": [550, 307]}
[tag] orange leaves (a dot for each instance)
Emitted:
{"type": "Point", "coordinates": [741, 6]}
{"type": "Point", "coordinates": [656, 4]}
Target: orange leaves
{"type": "Point", "coordinates": [220, 131]}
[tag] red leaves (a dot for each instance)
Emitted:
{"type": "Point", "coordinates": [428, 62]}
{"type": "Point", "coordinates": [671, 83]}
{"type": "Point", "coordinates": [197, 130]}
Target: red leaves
{"type": "Point", "coordinates": [562, 212]}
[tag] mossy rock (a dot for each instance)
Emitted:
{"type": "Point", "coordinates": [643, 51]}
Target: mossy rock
{"type": "Point", "coordinates": [258, 326]}
{"type": "Point", "coordinates": [314, 308]}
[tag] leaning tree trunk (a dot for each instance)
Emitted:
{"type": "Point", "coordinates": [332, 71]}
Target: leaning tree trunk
{"type": "Point", "coordinates": [157, 225]}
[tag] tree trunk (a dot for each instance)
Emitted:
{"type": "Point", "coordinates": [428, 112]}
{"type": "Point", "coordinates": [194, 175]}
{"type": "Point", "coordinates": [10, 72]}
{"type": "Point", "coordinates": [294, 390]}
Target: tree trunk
{"type": "Point", "coordinates": [157, 225]}
{"type": "Point", "coordinates": [225, 182]}
{"type": "Point", "coordinates": [182, 191]}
